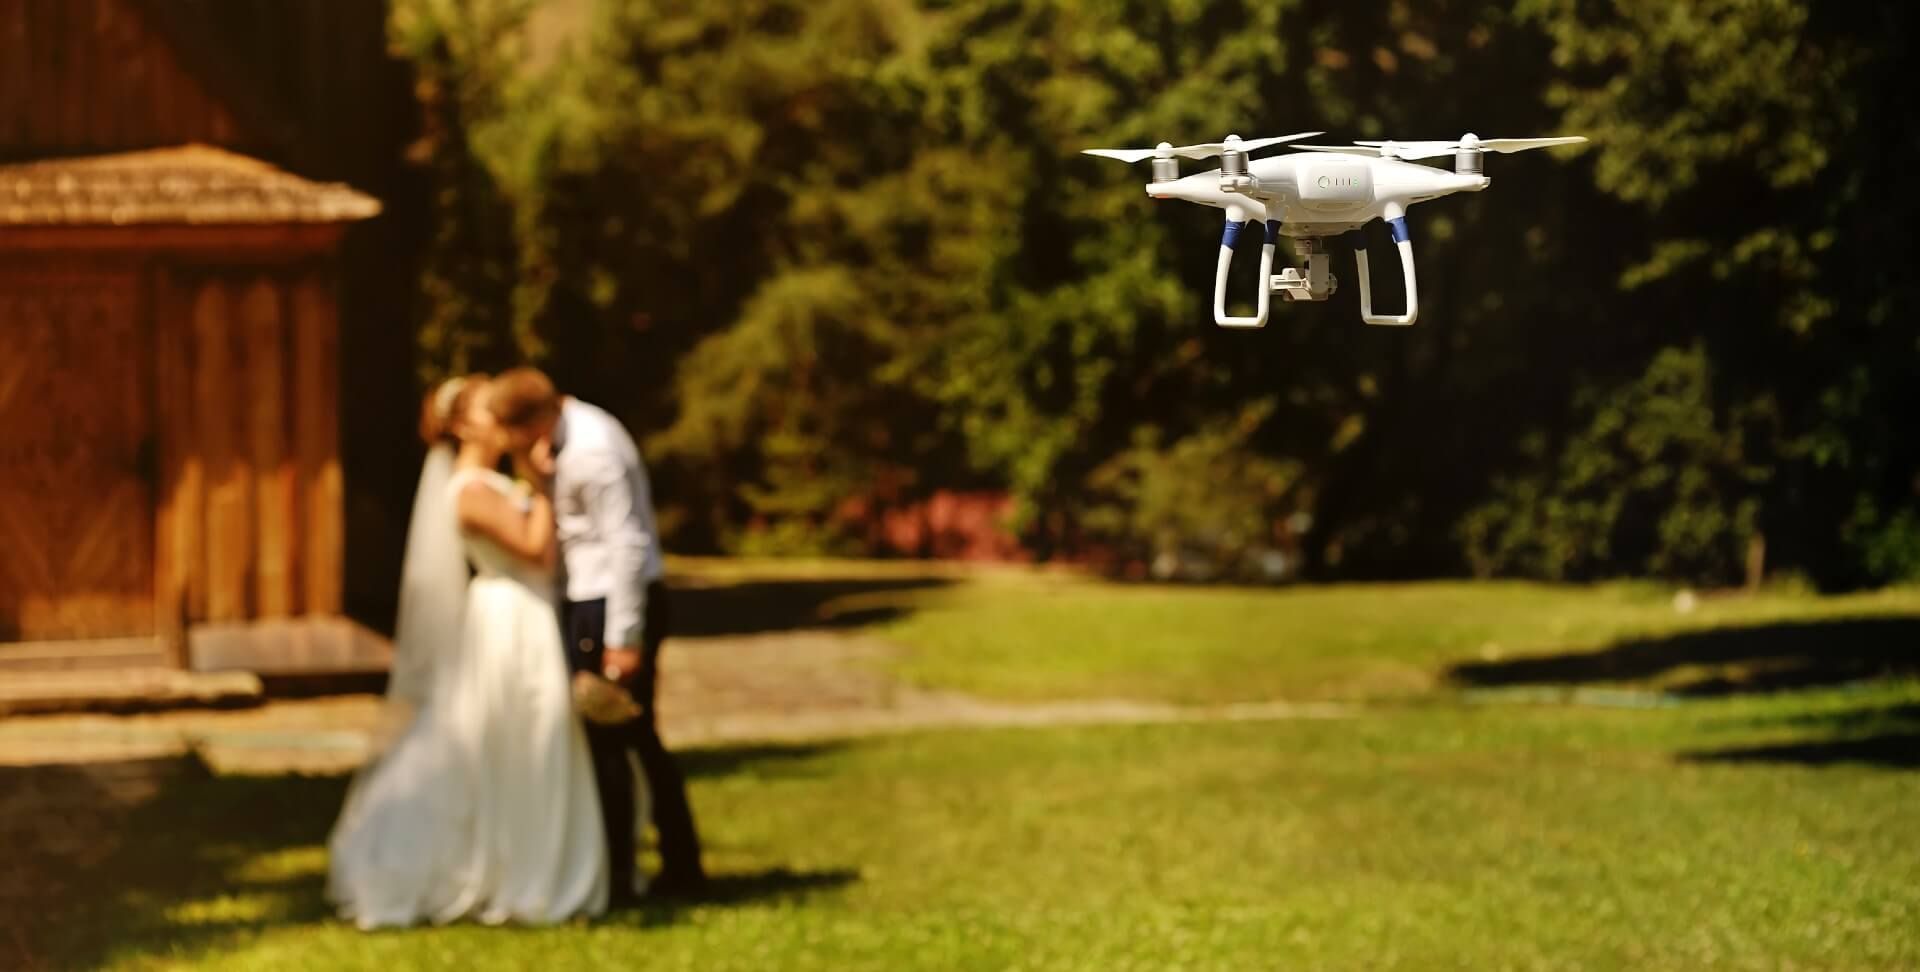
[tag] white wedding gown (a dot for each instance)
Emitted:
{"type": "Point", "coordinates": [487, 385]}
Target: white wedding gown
{"type": "Point", "coordinates": [485, 807]}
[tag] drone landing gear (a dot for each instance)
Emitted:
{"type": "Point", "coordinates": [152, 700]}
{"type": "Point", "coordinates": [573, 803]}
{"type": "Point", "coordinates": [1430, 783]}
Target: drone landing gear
{"type": "Point", "coordinates": [1315, 282]}
{"type": "Point", "coordinates": [1228, 238]}
{"type": "Point", "coordinates": [1397, 220]}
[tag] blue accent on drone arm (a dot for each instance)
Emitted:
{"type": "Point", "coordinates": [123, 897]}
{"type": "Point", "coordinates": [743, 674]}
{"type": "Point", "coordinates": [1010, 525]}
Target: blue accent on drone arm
{"type": "Point", "coordinates": [1231, 234]}
{"type": "Point", "coordinates": [1273, 231]}
{"type": "Point", "coordinates": [1400, 234]}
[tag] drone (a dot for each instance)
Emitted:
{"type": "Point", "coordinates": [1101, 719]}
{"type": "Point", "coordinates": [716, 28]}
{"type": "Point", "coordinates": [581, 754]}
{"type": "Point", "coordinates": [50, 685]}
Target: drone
{"type": "Point", "coordinates": [1326, 191]}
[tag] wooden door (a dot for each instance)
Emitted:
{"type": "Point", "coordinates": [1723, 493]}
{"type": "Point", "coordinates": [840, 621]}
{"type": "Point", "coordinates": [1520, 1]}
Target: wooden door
{"type": "Point", "coordinates": [76, 457]}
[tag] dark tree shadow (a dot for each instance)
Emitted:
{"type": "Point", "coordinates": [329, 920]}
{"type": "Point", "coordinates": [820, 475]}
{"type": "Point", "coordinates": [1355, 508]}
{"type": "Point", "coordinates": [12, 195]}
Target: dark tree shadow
{"type": "Point", "coordinates": [1883, 735]}
{"type": "Point", "coordinates": [153, 834]}
{"type": "Point", "coordinates": [766, 759]}
{"type": "Point", "coordinates": [740, 889]}
{"type": "Point", "coordinates": [1867, 719]}
{"type": "Point", "coordinates": [1756, 659]}
{"type": "Point", "coordinates": [1897, 751]}
{"type": "Point", "coordinates": [755, 606]}
{"type": "Point", "coordinates": [1760, 658]}
{"type": "Point", "coordinates": [101, 858]}
{"type": "Point", "coordinates": [52, 818]}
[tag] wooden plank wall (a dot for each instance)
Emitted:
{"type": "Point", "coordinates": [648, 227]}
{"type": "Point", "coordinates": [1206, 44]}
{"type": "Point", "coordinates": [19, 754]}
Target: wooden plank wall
{"type": "Point", "coordinates": [179, 584]}
{"type": "Point", "coordinates": [80, 76]}
{"type": "Point", "coordinates": [77, 409]}
{"type": "Point", "coordinates": [218, 408]}
{"type": "Point", "coordinates": [316, 369]}
{"type": "Point", "coordinates": [251, 520]}
{"type": "Point", "coordinates": [262, 319]}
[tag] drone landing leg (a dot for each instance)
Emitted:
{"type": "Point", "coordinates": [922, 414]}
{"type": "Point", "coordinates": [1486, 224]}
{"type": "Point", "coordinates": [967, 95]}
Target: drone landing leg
{"type": "Point", "coordinates": [1402, 239]}
{"type": "Point", "coordinates": [1230, 236]}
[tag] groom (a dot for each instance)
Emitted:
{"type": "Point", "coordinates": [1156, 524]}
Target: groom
{"type": "Point", "coordinates": [615, 615]}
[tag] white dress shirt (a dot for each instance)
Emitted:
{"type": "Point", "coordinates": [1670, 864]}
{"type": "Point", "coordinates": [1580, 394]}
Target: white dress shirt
{"type": "Point", "coordinates": [603, 510]}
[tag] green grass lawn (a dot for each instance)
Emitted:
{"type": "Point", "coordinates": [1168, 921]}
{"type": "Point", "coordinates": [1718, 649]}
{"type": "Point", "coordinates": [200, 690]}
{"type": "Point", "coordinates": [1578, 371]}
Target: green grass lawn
{"type": "Point", "coordinates": [1763, 816]}
{"type": "Point", "coordinates": [1711, 835]}
{"type": "Point", "coordinates": [1011, 637]}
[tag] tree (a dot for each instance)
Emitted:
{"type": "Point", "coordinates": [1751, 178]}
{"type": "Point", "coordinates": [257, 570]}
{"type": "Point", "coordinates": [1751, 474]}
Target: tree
{"type": "Point", "coordinates": [460, 55]}
{"type": "Point", "coordinates": [1753, 137]}
{"type": "Point", "coordinates": [837, 255]}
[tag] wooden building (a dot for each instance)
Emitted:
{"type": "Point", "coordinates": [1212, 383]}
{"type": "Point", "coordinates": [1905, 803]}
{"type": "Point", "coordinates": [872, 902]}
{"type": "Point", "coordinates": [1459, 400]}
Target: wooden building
{"type": "Point", "coordinates": [172, 492]}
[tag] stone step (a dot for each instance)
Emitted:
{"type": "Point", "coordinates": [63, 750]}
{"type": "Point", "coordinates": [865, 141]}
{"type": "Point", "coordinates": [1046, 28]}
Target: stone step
{"type": "Point", "coordinates": [123, 689]}
{"type": "Point", "coordinates": [62, 656]}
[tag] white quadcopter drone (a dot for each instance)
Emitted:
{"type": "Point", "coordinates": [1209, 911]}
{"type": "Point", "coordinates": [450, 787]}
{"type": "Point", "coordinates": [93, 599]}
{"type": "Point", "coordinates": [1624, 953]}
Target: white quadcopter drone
{"type": "Point", "coordinates": [1310, 196]}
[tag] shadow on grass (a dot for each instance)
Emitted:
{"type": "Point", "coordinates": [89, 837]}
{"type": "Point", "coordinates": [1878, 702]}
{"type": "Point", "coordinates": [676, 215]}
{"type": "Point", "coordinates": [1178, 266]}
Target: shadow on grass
{"type": "Point", "coordinates": [740, 889]}
{"type": "Point", "coordinates": [52, 820]}
{"type": "Point", "coordinates": [162, 858]}
{"type": "Point", "coordinates": [1760, 658]}
{"type": "Point", "coordinates": [1884, 735]}
{"type": "Point", "coordinates": [753, 607]}
{"type": "Point", "coordinates": [1897, 750]}
{"type": "Point", "coordinates": [176, 835]}
{"type": "Point", "coordinates": [1757, 659]}
{"type": "Point", "coordinates": [765, 759]}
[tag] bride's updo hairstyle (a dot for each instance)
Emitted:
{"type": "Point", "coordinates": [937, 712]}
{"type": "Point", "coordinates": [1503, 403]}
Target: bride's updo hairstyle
{"type": "Point", "coordinates": [441, 410]}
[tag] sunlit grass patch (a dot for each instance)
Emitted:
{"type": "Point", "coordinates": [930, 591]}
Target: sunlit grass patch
{"type": "Point", "coordinates": [1354, 642]}
{"type": "Point", "coordinates": [1482, 836]}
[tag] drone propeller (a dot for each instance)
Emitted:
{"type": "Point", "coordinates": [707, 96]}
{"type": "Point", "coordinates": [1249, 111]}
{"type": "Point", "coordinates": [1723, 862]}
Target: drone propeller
{"type": "Point", "coordinates": [1204, 150]}
{"type": "Point", "coordinates": [1412, 151]}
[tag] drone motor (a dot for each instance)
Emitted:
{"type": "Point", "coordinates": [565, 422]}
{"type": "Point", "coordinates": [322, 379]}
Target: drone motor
{"type": "Point", "coordinates": [1166, 168]}
{"type": "Point", "coordinates": [1469, 162]}
{"type": "Point", "coordinates": [1233, 158]}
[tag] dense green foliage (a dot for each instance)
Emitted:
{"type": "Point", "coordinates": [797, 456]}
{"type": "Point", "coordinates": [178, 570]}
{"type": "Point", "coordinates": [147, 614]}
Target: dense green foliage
{"type": "Point", "coordinates": [845, 250]}
{"type": "Point", "coordinates": [1758, 140]}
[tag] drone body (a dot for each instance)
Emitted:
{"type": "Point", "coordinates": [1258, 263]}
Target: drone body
{"type": "Point", "coordinates": [1311, 196]}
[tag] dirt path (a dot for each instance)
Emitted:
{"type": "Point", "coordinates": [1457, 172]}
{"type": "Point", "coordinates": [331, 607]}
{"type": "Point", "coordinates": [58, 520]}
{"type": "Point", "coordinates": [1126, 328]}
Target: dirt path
{"type": "Point", "coordinates": [786, 686]}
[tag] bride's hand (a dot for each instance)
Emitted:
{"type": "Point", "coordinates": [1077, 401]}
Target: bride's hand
{"type": "Point", "coordinates": [540, 457]}
{"type": "Point", "coordinates": [535, 466]}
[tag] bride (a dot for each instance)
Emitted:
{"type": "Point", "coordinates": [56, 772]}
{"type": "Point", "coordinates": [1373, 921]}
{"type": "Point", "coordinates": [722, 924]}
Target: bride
{"type": "Point", "coordinates": [480, 801]}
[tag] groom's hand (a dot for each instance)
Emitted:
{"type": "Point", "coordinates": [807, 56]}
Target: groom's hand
{"type": "Point", "coordinates": [621, 663]}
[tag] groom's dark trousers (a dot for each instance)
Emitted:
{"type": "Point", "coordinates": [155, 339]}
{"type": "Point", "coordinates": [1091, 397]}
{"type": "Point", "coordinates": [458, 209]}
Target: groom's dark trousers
{"type": "Point", "coordinates": [586, 625]}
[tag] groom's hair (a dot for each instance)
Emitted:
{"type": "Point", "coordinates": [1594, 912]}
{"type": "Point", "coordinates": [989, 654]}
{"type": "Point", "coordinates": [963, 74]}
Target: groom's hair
{"type": "Point", "coordinates": [522, 397]}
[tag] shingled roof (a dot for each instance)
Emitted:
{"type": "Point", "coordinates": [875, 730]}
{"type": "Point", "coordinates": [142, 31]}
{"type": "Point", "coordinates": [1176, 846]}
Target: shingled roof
{"type": "Point", "coordinates": [188, 185]}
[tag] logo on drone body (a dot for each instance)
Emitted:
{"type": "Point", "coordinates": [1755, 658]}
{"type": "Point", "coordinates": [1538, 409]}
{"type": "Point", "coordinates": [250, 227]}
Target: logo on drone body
{"type": "Point", "coordinates": [1338, 183]}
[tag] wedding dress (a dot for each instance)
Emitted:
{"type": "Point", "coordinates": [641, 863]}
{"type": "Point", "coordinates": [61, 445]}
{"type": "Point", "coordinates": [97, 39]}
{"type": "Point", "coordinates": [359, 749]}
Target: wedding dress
{"type": "Point", "coordinates": [484, 805]}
